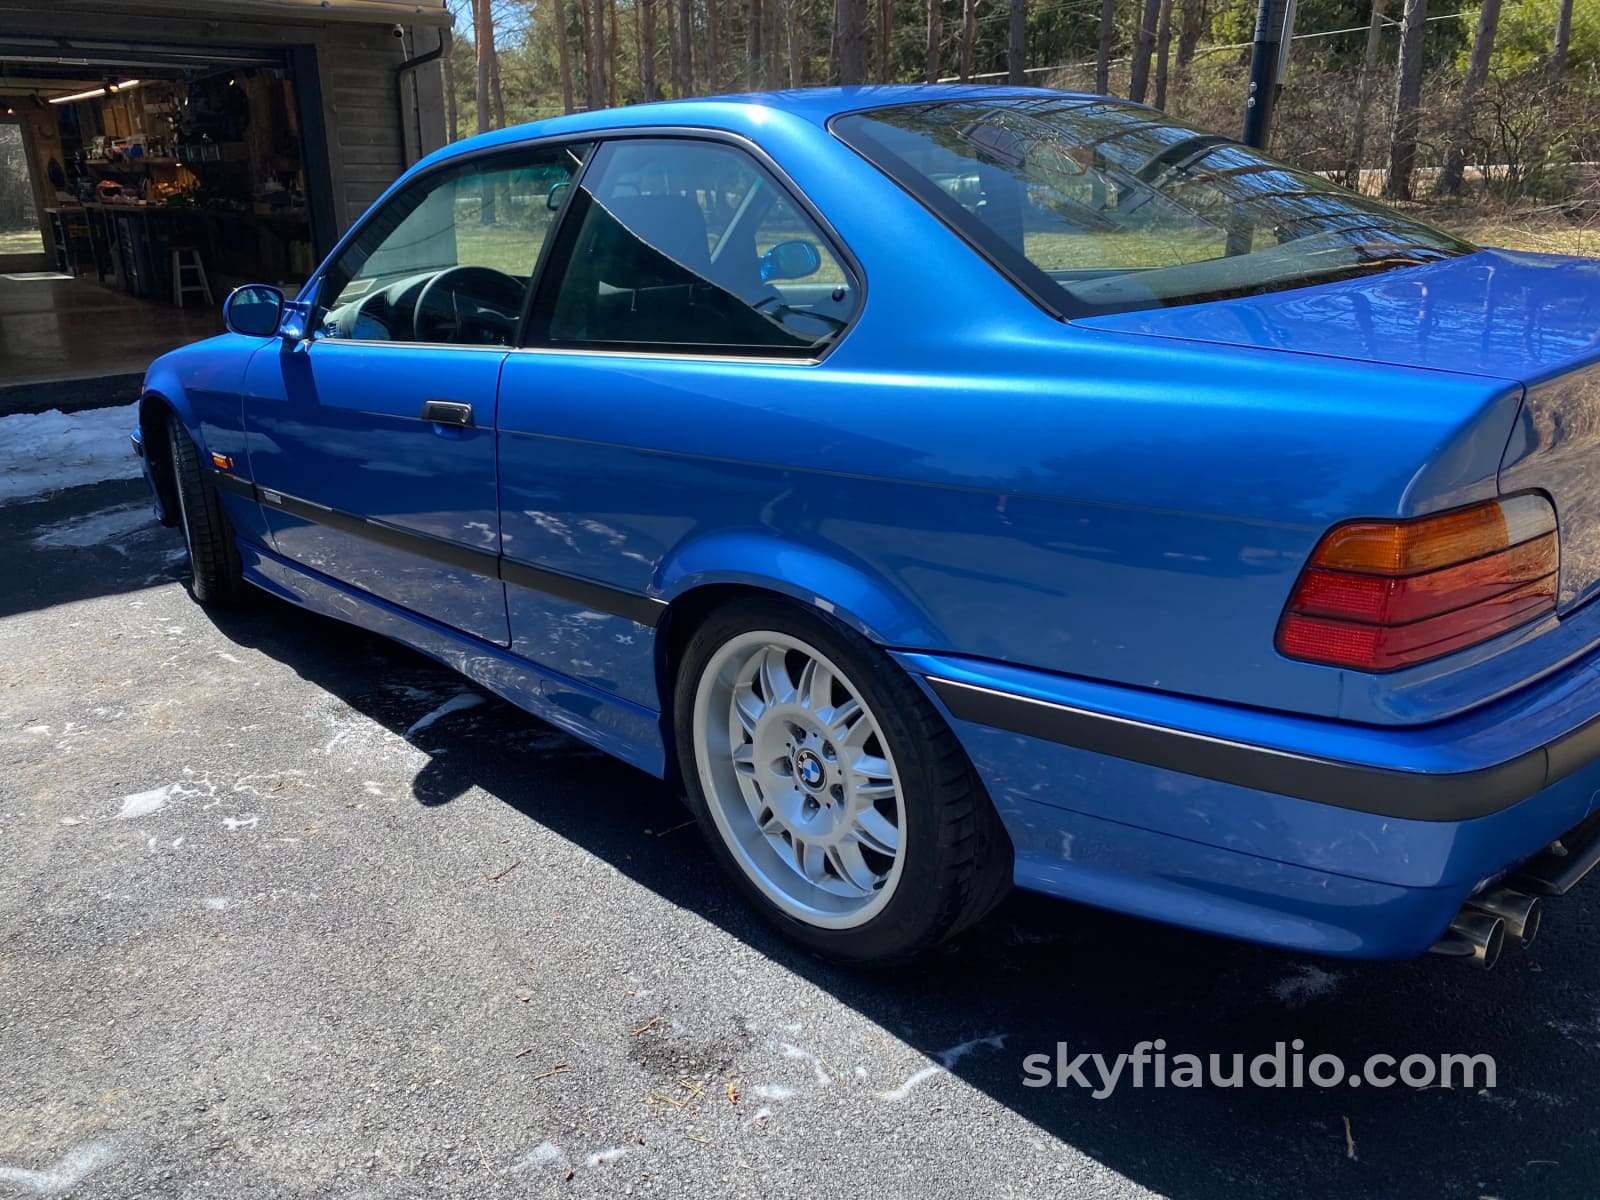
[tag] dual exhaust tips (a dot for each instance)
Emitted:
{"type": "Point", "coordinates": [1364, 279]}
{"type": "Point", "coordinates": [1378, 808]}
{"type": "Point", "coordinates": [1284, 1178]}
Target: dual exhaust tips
{"type": "Point", "coordinates": [1479, 931]}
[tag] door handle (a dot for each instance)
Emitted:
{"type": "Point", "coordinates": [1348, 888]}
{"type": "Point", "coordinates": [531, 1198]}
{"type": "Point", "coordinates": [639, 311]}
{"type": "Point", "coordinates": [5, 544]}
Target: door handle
{"type": "Point", "coordinates": [447, 412]}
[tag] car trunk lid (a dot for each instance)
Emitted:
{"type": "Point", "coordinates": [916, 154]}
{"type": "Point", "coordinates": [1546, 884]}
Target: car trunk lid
{"type": "Point", "coordinates": [1524, 318]}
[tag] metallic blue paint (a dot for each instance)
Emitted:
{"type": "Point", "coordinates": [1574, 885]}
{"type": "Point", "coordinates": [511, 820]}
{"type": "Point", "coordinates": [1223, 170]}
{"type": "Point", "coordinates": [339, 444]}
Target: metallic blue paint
{"type": "Point", "coordinates": [1108, 513]}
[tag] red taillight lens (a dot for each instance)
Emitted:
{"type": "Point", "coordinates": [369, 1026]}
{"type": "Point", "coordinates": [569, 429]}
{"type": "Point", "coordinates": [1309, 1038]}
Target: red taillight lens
{"type": "Point", "coordinates": [1380, 595]}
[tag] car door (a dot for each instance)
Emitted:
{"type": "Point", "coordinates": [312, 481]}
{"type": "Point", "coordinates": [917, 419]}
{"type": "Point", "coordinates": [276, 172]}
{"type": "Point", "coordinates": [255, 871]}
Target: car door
{"type": "Point", "coordinates": [668, 300]}
{"type": "Point", "coordinates": [372, 440]}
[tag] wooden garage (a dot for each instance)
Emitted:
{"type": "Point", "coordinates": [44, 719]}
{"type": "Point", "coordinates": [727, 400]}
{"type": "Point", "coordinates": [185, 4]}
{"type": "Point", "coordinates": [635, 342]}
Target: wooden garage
{"type": "Point", "coordinates": [167, 156]}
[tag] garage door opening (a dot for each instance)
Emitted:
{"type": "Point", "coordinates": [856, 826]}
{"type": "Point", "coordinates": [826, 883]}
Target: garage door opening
{"type": "Point", "coordinates": [136, 190]}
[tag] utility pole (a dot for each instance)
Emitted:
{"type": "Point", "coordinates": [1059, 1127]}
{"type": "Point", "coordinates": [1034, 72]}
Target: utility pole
{"type": "Point", "coordinates": [1269, 58]}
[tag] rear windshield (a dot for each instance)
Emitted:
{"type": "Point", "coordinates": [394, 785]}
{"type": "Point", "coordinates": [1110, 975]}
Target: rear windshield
{"type": "Point", "coordinates": [1098, 206]}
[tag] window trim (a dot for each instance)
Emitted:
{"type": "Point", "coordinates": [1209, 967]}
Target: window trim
{"type": "Point", "coordinates": [785, 183]}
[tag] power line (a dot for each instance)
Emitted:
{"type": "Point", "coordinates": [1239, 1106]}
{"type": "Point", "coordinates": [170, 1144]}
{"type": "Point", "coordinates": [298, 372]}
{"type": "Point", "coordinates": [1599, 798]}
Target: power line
{"type": "Point", "coordinates": [1200, 52]}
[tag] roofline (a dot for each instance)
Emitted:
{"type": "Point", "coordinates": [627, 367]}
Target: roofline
{"type": "Point", "coordinates": [733, 107]}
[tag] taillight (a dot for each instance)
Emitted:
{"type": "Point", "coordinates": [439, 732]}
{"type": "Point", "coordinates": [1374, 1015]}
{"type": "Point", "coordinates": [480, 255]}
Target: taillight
{"type": "Point", "coordinates": [1380, 595]}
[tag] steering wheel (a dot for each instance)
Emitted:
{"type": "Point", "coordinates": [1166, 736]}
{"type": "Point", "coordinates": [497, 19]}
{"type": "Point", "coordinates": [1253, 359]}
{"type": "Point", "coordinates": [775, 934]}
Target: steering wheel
{"type": "Point", "coordinates": [468, 305]}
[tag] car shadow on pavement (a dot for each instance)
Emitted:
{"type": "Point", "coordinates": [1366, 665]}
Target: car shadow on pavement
{"type": "Point", "coordinates": [1037, 973]}
{"type": "Point", "coordinates": [98, 539]}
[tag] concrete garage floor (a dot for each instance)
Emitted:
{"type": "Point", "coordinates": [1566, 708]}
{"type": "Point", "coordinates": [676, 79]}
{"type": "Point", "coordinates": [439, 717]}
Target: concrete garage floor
{"type": "Point", "coordinates": [54, 328]}
{"type": "Point", "coordinates": [288, 911]}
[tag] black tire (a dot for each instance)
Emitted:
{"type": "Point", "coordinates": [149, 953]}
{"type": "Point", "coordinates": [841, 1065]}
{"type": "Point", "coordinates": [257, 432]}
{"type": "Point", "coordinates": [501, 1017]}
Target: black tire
{"type": "Point", "coordinates": [217, 576]}
{"type": "Point", "coordinates": [957, 858]}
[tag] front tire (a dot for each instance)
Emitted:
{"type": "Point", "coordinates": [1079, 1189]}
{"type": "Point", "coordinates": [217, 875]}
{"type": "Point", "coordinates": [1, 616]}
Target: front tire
{"type": "Point", "coordinates": [217, 575]}
{"type": "Point", "coordinates": [830, 787]}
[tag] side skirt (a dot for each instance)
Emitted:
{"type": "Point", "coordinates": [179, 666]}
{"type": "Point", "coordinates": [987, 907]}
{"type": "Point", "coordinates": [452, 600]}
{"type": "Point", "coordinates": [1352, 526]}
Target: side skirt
{"type": "Point", "coordinates": [622, 729]}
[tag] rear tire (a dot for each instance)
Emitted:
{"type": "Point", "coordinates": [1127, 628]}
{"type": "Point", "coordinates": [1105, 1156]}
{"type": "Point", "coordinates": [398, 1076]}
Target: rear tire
{"type": "Point", "coordinates": [830, 788]}
{"type": "Point", "coordinates": [217, 574]}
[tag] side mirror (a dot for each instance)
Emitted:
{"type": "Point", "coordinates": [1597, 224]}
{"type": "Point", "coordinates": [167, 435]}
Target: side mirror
{"type": "Point", "coordinates": [254, 310]}
{"type": "Point", "coordinates": [790, 260]}
{"type": "Point", "coordinates": [557, 191]}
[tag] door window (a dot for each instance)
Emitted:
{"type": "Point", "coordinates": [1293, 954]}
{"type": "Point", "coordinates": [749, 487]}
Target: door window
{"type": "Point", "coordinates": [450, 258]}
{"type": "Point", "coordinates": [683, 246]}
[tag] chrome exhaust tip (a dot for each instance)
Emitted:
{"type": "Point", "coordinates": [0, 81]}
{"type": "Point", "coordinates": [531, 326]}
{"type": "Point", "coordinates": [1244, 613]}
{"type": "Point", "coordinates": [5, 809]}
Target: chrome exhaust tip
{"type": "Point", "coordinates": [1519, 911]}
{"type": "Point", "coordinates": [1477, 937]}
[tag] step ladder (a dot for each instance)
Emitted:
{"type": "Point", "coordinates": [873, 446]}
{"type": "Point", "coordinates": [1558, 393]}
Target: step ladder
{"type": "Point", "coordinates": [189, 275]}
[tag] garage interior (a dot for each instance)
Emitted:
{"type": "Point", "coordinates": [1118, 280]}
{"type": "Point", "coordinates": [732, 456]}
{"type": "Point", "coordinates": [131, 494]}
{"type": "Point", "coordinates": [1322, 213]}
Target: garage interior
{"type": "Point", "coordinates": [142, 180]}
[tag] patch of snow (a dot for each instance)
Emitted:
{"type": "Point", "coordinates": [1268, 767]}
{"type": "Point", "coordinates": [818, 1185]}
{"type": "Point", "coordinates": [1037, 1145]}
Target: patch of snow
{"type": "Point", "coordinates": [236, 823]}
{"type": "Point", "coordinates": [44, 452]}
{"type": "Point", "coordinates": [142, 804]}
{"type": "Point", "coordinates": [949, 1058]}
{"type": "Point", "coordinates": [911, 1081]}
{"type": "Point", "coordinates": [104, 528]}
{"type": "Point", "coordinates": [947, 1061]}
{"type": "Point", "coordinates": [823, 1076]}
{"type": "Point", "coordinates": [454, 704]}
{"type": "Point", "coordinates": [1307, 984]}
{"type": "Point", "coordinates": [772, 1091]}
{"type": "Point", "coordinates": [601, 1158]}
{"type": "Point", "coordinates": [66, 1174]}
{"type": "Point", "coordinates": [545, 1154]}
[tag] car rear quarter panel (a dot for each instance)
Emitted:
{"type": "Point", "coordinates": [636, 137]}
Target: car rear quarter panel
{"type": "Point", "coordinates": [966, 474]}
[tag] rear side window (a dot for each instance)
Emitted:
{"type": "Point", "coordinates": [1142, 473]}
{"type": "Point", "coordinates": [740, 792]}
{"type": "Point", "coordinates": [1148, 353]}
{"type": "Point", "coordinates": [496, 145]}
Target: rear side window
{"type": "Point", "coordinates": [683, 246]}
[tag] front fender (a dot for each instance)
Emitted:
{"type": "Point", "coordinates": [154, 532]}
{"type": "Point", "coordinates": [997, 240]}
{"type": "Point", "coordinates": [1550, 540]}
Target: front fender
{"type": "Point", "coordinates": [815, 575]}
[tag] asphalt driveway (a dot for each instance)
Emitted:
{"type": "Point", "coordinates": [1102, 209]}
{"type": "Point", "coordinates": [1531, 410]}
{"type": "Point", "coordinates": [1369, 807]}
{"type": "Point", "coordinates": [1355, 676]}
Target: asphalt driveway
{"type": "Point", "coordinates": [287, 910]}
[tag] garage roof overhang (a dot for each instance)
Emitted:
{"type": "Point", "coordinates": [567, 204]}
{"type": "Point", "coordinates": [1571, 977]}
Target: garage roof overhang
{"type": "Point", "coordinates": [297, 12]}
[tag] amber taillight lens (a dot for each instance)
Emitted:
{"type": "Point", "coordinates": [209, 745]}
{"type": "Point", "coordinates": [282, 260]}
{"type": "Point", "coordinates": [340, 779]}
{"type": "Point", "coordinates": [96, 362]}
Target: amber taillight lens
{"type": "Point", "coordinates": [1381, 595]}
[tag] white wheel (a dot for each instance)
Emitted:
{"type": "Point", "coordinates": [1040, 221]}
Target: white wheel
{"type": "Point", "coordinates": [798, 779]}
{"type": "Point", "coordinates": [830, 787]}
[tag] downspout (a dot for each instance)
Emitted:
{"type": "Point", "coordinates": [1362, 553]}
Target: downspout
{"type": "Point", "coordinates": [400, 73]}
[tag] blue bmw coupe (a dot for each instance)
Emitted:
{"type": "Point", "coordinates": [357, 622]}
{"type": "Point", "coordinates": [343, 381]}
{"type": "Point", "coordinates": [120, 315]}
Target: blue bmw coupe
{"type": "Point", "coordinates": [955, 488]}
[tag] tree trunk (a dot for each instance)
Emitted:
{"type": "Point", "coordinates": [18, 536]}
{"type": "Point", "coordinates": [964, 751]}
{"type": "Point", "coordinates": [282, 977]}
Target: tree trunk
{"type": "Point", "coordinates": [1143, 46]}
{"type": "Point", "coordinates": [771, 58]}
{"type": "Point", "coordinates": [1102, 58]}
{"type": "Point", "coordinates": [969, 35]}
{"type": "Point", "coordinates": [480, 41]}
{"type": "Point", "coordinates": [1403, 146]}
{"type": "Point", "coordinates": [1017, 44]}
{"type": "Point", "coordinates": [1366, 87]}
{"type": "Point", "coordinates": [674, 76]}
{"type": "Point", "coordinates": [885, 37]}
{"type": "Point", "coordinates": [1163, 51]}
{"type": "Point", "coordinates": [752, 43]}
{"type": "Point", "coordinates": [612, 41]}
{"type": "Point", "coordinates": [564, 52]}
{"type": "Point", "coordinates": [1455, 161]}
{"type": "Point", "coordinates": [795, 36]}
{"type": "Point", "coordinates": [851, 19]}
{"type": "Point", "coordinates": [713, 61]}
{"type": "Point", "coordinates": [450, 114]}
{"type": "Point", "coordinates": [685, 47]}
{"type": "Point", "coordinates": [935, 32]}
{"type": "Point", "coordinates": [1563, 39]}
{"type": "Point", "coordinates": [645, 13]}
{"type": "Point", "coordinates": [497, 98]}
{"type": "Point", "coordinates": [1190, 27]}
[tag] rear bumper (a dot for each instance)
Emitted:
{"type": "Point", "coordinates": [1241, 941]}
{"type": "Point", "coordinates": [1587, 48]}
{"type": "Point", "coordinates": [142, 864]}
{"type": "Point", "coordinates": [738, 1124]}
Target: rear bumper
{"type": "Point", "coordinates": [1302, 833]}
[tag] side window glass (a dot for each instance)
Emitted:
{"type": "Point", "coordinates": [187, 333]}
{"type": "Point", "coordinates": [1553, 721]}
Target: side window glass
{"type": "Point", "coordinates": [690, 246]}
{"type": "Point", "coordinates": [449, 259]}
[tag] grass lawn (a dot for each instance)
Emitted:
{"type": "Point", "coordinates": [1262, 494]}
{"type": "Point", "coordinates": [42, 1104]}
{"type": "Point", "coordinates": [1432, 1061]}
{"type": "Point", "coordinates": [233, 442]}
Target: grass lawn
{"type": "Point", "coordinates": [21, 241]}
{"type": "Point", "coordinates": [1540, 229]}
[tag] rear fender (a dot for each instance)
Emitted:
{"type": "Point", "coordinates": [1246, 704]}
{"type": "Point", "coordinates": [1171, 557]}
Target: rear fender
{"type": "Point", "coordinates": [813, 575]}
